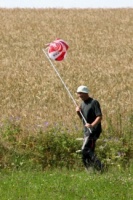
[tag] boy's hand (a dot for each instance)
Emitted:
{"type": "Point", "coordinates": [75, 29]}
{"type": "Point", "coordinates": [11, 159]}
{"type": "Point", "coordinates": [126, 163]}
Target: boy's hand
{"type": "Point", "coordinates": [78, 109]}
{"type": "Point", "coordinates": [88, 125]}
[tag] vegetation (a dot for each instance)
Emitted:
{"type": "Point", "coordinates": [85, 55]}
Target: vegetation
{"type": "Point", "coordinates": [56, 148]}
{"type": "Point", "coordinates": [34, 105]}
{"type": "Point", "coordinates": [64, 185]}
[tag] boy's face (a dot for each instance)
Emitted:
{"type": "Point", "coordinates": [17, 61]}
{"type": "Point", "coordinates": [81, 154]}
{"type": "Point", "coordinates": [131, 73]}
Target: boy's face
{"type": "Point", "coordinates": [83, 96]}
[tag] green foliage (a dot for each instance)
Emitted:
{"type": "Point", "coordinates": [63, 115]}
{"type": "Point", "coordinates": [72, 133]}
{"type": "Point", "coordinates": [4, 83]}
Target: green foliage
{"type": "Point", "coordinates": [116, 144]}
{"type": "Point", "coordinates": [10, 130]}
{"type": "Point", "coordinates": [56, 147]}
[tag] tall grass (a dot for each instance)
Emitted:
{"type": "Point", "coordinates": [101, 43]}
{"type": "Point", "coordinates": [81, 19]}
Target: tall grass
{"type": "Point", "coordinates": [100, 56]}
{"type": "Point", "coordinates": [56, 148]}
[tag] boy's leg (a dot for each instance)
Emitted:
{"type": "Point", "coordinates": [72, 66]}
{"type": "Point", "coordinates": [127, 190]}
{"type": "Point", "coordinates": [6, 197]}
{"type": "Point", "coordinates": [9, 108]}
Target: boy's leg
{"type": "Point", "coordinates": [88, 155]}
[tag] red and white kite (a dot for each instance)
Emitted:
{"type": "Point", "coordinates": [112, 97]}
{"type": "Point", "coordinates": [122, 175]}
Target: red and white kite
{"type": "Point", "coordinates": [57, 49]}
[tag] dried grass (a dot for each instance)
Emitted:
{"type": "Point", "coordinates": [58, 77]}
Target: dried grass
{"type": "Point", "coordinates": [100, 56]}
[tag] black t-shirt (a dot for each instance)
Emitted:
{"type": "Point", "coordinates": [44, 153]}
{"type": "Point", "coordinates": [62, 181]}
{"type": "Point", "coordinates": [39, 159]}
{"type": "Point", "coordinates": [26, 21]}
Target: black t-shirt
{"type": "Point", "coordinates": [90, 110]}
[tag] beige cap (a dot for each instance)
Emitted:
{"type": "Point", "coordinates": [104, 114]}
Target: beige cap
{"type": "Point", "coordinates": [82, 89]}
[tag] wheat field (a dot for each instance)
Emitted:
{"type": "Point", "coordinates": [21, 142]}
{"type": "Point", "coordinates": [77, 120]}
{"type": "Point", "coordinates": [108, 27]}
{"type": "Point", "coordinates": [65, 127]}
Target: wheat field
{"type": "Point", "coordinates": [100, 56]}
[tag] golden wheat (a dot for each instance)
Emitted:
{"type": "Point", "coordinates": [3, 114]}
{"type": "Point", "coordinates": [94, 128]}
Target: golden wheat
{"type": "Point", "coordinates": [100, 56]}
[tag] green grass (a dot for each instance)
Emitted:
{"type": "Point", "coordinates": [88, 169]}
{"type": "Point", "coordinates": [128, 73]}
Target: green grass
{"type": "Point", "coordinates": [66, 185]}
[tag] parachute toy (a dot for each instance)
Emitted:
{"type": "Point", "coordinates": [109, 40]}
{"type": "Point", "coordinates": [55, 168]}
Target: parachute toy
{"type": "Point", "coordinates": [57, 49]}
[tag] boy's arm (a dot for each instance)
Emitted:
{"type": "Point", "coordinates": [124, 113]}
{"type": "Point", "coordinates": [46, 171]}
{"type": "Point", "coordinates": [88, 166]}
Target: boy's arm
{"type": "Point", "coordinates": [78, 110]}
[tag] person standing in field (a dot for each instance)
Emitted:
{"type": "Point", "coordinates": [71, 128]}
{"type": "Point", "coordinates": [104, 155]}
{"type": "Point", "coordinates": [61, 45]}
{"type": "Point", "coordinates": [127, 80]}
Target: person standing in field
{"type": "Point", "coordinates": [91, 110]}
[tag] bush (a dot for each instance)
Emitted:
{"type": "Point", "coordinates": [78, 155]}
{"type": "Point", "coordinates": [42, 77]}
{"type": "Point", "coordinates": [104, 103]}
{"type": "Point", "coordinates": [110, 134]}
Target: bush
{"type": "Point", "coordinates": [116, 145]}
{"type": "Point", "coordinates": [57, 147]}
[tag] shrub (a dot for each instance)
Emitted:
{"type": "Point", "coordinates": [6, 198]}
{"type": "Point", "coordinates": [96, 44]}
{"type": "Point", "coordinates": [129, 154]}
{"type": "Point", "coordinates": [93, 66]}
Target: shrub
{"type": "Point", "coordinates": [57, 147]}
{"type": "Point", "coordinates": [116, 145]}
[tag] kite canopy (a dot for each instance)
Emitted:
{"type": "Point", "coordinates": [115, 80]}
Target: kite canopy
{"type": "Point", "coordinates": [57, 49]}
